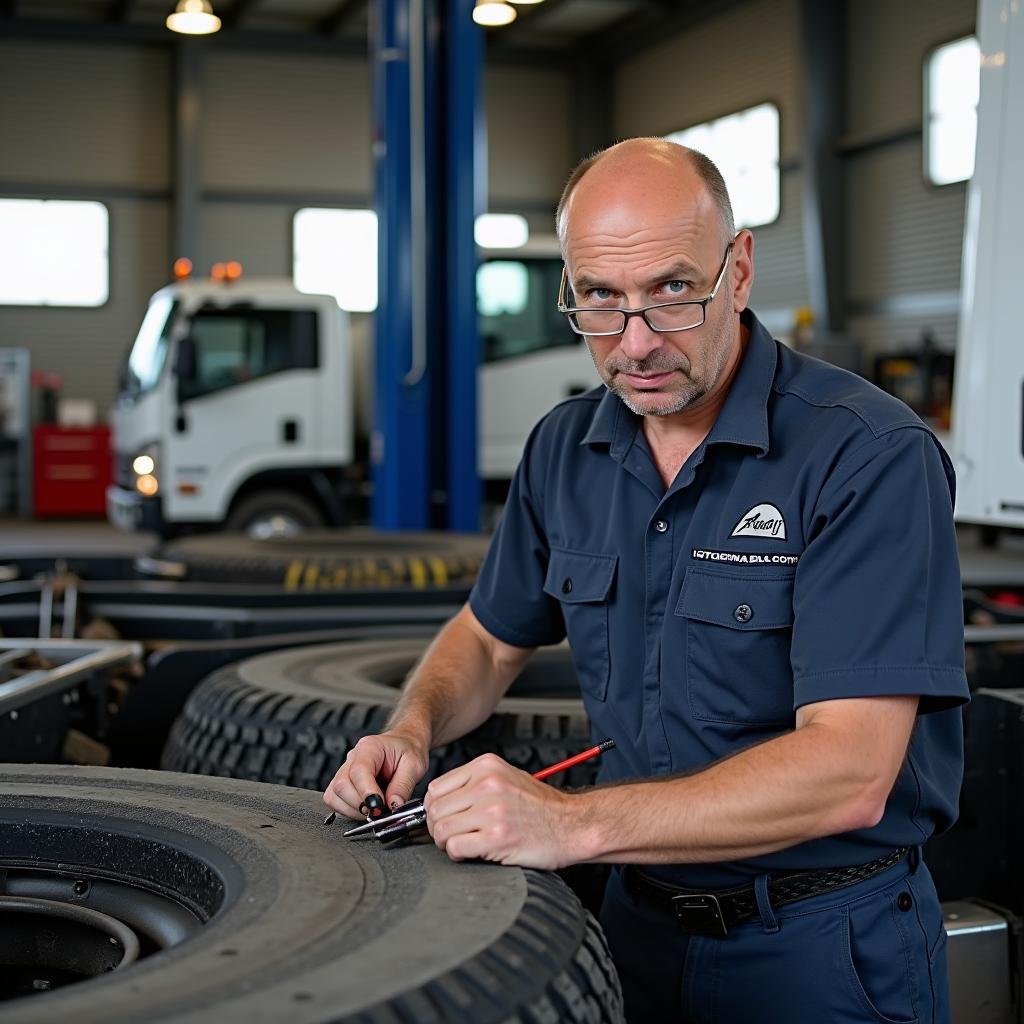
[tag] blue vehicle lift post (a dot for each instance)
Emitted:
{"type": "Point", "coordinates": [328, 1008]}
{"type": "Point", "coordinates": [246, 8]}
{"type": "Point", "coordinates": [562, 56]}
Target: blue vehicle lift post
{"type": "Point", "coordinates": [428, 157]}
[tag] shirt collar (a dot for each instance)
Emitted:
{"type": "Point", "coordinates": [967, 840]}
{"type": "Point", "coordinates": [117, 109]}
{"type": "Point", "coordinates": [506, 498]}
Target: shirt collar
{"type": "Point", "coordinates": [744, 416]}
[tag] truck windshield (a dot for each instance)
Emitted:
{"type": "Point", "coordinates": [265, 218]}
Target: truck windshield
{"type": "Point", "coordinates": [149, 352]}
{"type": "Point", "coordinates": [515, 308]}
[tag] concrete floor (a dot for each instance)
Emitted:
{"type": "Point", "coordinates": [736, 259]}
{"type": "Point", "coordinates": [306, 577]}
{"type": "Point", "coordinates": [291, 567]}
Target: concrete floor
{"type": "Point", "coordinates": [21, 538]}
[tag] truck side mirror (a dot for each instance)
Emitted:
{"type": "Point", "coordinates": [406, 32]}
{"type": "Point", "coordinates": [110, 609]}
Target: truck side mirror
{"type": "Point", "coordinates": [185, 365]}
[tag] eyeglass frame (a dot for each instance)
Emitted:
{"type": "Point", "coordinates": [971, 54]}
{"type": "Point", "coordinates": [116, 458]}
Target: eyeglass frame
{"type": "Point", "coordinates": [641, 311]}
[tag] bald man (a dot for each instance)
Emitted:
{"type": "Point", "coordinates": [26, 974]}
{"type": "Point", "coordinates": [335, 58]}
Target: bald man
{"type": "Point", "coordinates": [752, 555]}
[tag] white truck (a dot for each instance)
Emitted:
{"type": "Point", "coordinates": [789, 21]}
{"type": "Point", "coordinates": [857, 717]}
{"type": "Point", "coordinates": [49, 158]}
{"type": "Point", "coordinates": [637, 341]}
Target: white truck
{"type": "Point", "coordinates": [988, 392]}
{"type": "Point", "coordinates": [243, 401]}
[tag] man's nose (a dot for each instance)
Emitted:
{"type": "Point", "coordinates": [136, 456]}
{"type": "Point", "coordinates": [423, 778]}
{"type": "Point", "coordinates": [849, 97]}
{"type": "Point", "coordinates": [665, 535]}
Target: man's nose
{"type": "Point", "coordinates": [638, 340]}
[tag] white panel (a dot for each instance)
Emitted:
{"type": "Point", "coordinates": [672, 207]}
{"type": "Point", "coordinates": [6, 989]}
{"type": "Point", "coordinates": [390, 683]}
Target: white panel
{"type": "Point", "coordinates": [287, 123]}
{"type": "Point", "coordinates": [742, 58]}
{"type": "Point", "coordinates": [87, 346]}
{"type": "Point", "coordinates": [886, 46]}
{"type": "Point", "coordinates": [529, 137]}
{"type": "Point", "coordinates": [76, 114]}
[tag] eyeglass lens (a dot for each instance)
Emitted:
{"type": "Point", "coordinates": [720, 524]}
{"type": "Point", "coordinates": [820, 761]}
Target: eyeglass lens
{"type": "Point", "coordinates": [672, 317]}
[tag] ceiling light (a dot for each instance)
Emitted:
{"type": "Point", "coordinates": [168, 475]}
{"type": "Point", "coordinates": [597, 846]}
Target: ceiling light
{"type": "Point", "coordinates": [493, 12]}
{"type": "Point", "coordinates": [193, 18]}
{"type": "Point", "coordinates": [524, 3]}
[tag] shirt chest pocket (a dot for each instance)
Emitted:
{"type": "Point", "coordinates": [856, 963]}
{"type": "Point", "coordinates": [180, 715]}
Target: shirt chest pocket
{"type": "Point", "coordinates": [582, 583]}
{"type": "Point", "coordinates": [738, 638]}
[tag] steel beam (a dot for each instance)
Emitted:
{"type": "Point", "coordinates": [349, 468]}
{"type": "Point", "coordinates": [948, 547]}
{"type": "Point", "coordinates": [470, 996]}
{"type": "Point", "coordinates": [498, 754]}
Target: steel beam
{"type": "Point", "coordinates": [188, 90]}
{"type": "Point", "coordinates": [119, 10]}
{"type": "Point", "coordinates": [234, 16]}
{"type": "Point", "coordinates": [632, 34]}
{"type": "Point", "coordinates": [590, 104]}
{"type": "Point", "coordinates": [339, 16]}
{"type": "Point", "coordinates": [132, 33]}
{"type": "Point", "coordinates": [823, 28]}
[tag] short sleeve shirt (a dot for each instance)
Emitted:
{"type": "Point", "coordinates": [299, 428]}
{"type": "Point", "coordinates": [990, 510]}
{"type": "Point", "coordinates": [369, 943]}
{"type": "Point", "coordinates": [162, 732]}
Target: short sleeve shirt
{"type": "Point", "coordinates": [804, 552]}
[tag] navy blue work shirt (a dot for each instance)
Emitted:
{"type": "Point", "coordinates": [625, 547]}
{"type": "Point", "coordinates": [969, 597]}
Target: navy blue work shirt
{"type": "Point", "coordinates": [804, 552]}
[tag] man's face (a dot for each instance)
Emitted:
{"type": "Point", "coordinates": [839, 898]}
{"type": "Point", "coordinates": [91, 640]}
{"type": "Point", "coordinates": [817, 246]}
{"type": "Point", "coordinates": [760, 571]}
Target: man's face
{"type": "Point", "coordinates": [643, 249]}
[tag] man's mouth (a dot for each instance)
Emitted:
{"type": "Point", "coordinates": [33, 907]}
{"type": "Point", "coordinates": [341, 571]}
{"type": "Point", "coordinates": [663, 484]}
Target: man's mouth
{"type": "Point", "coordinates": [647, 381]}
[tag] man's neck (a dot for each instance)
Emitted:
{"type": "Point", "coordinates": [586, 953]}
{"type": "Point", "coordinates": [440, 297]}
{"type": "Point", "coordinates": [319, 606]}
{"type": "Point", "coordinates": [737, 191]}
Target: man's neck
{"type": "Point", "coordinates": [673, 438]}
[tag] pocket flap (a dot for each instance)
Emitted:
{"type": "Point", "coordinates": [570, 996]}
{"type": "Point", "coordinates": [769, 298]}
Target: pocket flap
{"type": "Point", "coordinates": [737, 602]}
{"type": "Point", "coordinates": [578, 577]}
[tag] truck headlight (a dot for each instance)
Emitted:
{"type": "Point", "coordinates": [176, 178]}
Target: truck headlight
{"type": "Point", "coordinates": [145, 466]}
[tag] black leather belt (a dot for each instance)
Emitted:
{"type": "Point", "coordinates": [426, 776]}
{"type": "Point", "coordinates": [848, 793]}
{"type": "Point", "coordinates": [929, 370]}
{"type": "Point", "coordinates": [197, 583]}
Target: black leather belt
{"type": "Point", "coordinates": [714, 913]}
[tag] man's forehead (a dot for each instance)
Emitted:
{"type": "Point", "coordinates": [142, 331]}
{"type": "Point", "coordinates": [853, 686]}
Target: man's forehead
{"type": "Point", "coordinates": [625, 209]}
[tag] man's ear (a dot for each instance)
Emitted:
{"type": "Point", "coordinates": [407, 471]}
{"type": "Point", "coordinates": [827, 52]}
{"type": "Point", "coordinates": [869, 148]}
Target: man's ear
{"type": "Point", "coordinates": [742, 272]}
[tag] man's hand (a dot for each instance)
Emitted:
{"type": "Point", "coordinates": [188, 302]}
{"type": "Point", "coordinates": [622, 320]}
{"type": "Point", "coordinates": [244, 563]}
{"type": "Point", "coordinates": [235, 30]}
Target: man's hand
{"type": "Point", "coordinates": [487, 809]}
{"type": "Point", "coordinates": [396, 758]}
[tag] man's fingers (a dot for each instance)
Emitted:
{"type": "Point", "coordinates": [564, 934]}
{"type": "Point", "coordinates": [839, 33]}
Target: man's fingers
{"type": "Point", "coordinates": [450, 781]}
{"type": "Point", "coordinates": [340, 797]}
{"type": "Point", "coordinates": [402, 783]}
{"type": "Point", "coordinates": [362, 778]}
{"type": "Point", "coordinates": [443, 831]}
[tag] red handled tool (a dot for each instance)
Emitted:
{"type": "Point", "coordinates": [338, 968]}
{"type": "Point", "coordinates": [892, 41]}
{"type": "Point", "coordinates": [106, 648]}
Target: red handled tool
{"type": "Point", "coordinates": [403, 821]}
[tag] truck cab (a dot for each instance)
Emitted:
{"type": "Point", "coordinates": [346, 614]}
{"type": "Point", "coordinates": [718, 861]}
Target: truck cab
{"type": "Point", "coordinates": [244, 402]}
{"type": "Point", "coordinates": [223, 418]}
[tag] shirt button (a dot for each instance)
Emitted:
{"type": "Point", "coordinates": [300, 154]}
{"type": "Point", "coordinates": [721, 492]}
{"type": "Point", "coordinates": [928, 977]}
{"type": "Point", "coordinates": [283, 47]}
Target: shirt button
{"type": "Point", "coordinates": [743, 613]}
{"type": "Point", "coordinates": [661, 526]}
{"type": "Point", "coordinates": [567, 585]}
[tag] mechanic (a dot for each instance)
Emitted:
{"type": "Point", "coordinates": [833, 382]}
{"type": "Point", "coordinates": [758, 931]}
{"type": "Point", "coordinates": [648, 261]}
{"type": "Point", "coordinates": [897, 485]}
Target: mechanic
{"type": "Point", "coordinates": [753, 556]}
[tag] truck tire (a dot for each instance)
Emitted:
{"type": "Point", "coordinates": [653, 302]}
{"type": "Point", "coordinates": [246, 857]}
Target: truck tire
{"type": "Point", "coordinates": [251, 910]}
{"type": "Point", "coordinates": [266, 514]}
{"type": "Point", "coordinates": [328, 559]}
{"type": "Point", "coordinates": [291, 717]}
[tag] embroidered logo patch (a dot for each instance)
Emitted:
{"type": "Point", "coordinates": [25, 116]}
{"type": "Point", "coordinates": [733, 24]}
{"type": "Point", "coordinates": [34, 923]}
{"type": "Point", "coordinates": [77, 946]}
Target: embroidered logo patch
{"type": "Point", "coordinates": [762, 521]}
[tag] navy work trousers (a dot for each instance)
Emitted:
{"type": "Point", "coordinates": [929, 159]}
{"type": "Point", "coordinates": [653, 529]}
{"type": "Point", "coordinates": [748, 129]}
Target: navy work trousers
{"type": "Point", "coordinates": [870, 953]}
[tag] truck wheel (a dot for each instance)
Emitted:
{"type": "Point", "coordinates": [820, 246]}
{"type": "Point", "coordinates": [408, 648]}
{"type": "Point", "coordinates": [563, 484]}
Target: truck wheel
{"type": "Point", "coordinates": [268, 514]}
{"type": "Point", "coordinates": [246, 908]}
{"type": "Point", "coordinates": [346, 558]}
{"type": "Point", "coordinates": [290, 717]}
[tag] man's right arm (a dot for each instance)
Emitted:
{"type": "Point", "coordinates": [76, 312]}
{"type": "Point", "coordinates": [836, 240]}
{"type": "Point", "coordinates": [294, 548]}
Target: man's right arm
{"type": "Point", "coordinates": [455, 688]}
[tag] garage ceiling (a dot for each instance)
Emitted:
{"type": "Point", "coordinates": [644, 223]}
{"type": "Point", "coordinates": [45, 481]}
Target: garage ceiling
{"type": "Point", "coordinates": [605, 31]}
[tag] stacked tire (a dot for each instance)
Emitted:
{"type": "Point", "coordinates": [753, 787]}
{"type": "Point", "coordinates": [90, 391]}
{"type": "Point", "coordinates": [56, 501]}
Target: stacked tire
{"type": "Point", "coordinates": [291, 717]}
{"type": "Point", "coordinates": [325, 559]}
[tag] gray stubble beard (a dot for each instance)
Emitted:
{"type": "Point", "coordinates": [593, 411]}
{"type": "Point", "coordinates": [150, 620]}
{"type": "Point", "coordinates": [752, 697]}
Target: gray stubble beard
{"type": "Point", "coordinates": [694, 389]}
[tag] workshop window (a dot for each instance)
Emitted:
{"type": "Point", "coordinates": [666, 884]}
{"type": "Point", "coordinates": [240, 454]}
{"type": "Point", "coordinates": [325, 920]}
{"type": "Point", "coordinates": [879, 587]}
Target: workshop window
{"type": "Point", "coordinates": [334, 252]}
{"type": "Point", "coordinates": [952, 81]}
{"type": "Point", "coordinates": [745, 148]}
{"type": "Point", "coordinates": [54, 253]}
{"type": "Point", "coordinates": [516, 312]}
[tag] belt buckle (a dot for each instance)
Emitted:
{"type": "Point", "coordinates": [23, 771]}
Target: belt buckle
{"type": "Point", "coordinates": [700, 913]}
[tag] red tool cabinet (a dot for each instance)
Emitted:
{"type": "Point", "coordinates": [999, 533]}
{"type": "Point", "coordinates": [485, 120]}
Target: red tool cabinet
{"type": "Point", "coordinates": [71, 469]}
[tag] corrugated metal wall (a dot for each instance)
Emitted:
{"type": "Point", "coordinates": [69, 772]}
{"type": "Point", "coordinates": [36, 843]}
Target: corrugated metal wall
{"type": "Point", "coordinates": [280, 131]}
{"type": "Point", "coordinates": [90, 122]}
{"type": "Point", "coordinates": [748, 56]}
{"type": "Point", "coordinates": [904, 236]}
{"type": "Point", "coordinates": [283, 131]}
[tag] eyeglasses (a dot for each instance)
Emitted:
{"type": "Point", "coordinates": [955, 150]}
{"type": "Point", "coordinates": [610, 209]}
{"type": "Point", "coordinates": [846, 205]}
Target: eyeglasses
{"type": "Point", "coordinates": [661, 317]}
